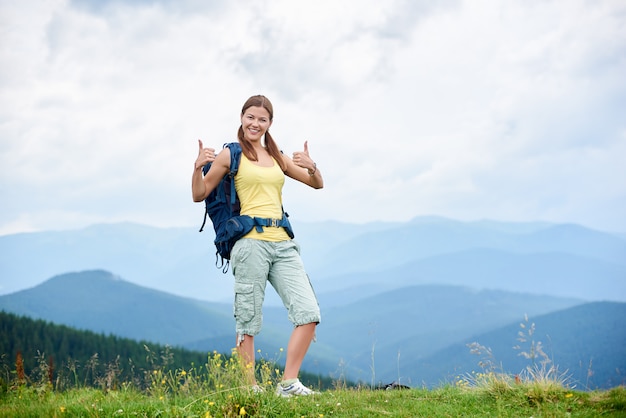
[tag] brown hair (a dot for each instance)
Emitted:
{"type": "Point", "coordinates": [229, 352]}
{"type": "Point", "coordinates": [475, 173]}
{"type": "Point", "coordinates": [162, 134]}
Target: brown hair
{"type": "Point", "coordinates": [270, 144]}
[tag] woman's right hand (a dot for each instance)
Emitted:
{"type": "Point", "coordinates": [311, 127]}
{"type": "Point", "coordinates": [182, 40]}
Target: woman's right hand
{"type": "Point", "coordinates": [205, 155]}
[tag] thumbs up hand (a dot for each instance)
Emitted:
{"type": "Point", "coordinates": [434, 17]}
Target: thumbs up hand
{"type": "Point", "coordinates": [303, 159]}
{"type": "Point", "coordinates": [205, 155]}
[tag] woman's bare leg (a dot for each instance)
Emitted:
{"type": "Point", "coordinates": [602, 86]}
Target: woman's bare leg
{"type": "Point", "coordinates": [299, 343]}
{"type": "Point", "coordinates": [245, 349]}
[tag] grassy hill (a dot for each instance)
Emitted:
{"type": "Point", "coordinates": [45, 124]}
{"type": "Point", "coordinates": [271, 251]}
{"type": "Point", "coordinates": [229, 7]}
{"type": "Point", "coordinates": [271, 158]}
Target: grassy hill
{"type": "Point", "coordinates": [167, 384]}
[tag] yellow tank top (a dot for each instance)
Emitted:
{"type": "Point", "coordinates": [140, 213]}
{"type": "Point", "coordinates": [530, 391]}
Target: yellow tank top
{"type": "Point", "coordinates": [260, 193]}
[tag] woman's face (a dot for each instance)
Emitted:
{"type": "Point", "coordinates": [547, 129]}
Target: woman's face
{"type": "Point", "coordinates": [255, 121]}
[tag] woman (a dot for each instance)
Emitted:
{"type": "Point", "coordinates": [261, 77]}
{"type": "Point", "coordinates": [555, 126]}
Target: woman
{"type": "Point", "coordinates": [267, 256]}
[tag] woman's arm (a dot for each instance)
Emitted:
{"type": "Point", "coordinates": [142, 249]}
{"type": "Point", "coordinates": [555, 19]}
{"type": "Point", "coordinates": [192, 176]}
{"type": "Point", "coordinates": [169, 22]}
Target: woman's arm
{"type": "Point", "coordinates": [301, 159]}
{"type": "Point", "coordinates": [201, 185]}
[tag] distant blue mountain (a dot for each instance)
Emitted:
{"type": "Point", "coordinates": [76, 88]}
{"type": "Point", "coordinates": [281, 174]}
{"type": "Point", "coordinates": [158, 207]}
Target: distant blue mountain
{"type": "Point", "coordinates": [401, 244]}
{"type": "Point", "coordinates": [559, 274]}
{"type": "Point", "coordinates": [562, 260]}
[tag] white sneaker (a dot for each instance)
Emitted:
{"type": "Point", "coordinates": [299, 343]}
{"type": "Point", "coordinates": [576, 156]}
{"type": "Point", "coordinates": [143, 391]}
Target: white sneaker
{"type": "Point", "coordinates": [296, 388]}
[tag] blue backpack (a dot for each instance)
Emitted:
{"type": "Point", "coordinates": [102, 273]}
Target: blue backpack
{"type": "Point", "coordinates": [223, 207]}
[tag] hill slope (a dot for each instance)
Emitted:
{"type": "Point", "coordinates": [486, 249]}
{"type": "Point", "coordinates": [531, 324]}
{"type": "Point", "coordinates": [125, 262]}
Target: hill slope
{"type": "Point", "coordinates": [416, 321]}
{"type": "Point", "coordinates": [101, 302]}
{"type": "Point", "coordinates": [587, 343]}
{"type": "Point", "coordinates": [432, 317]}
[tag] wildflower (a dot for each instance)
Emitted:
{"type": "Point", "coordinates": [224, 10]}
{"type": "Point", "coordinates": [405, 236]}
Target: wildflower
{"type": "Point", "coordinates": [569, 395]}
{"type": "Point", "coordinates": [242, 411]}
{"type": "Point", "coordinates": [62, 409]}
{"type": "Point", "coordinates": [207, 414]}
{"type": "Point", "coordinates": [183, 373]}
{"type": "Point", "coordinates": [211, 403]}
{"type": "Point", "coordinates": [161, 398]}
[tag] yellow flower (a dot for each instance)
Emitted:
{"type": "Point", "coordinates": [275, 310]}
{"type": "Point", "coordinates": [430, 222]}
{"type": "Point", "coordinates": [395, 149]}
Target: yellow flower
{"type": "Point", "coordinates": [569, 395]}
{"type": "Point", "coordinates": [211, 403]}
{"type": "Point", "coordinates": [161, 397]}
{"type": "Point", "coordinates": [183, 373]}
{"type": "Point", "coordinates": [242, 411]}
{"type": "Point", "coordinates": [62, 409]}
{"type": "Point", "coordinates": [207, 414]}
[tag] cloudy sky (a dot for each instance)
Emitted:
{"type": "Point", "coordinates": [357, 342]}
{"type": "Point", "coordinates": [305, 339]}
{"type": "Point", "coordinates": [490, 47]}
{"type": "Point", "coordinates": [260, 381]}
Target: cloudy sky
{"type": "Point", "coordinates": [512, 110]}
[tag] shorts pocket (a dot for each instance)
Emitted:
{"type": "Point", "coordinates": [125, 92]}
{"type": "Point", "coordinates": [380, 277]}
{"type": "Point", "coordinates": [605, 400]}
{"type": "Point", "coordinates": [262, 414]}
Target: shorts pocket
{"type": "Point", "coordinates": [244, 302]}
{"type": "Point", "coordinates": [240, 252]}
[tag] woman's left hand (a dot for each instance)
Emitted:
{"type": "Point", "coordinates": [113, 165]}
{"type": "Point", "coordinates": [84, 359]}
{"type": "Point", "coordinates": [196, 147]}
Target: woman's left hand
{"type": "Point", "coordinates": [302, 158]}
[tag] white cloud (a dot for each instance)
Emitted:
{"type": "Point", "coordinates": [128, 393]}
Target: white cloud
{"type": "Point", "coordinates": [462, 109]}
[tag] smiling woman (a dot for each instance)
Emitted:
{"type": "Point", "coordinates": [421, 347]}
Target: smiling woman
{"type": "Point", "coordinates": [267, 252]}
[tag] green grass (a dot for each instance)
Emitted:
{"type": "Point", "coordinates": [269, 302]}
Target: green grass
{"type": "Point", "coordinates": [519, 401]}
{"type": "Point", "coordinates": [217, 389]}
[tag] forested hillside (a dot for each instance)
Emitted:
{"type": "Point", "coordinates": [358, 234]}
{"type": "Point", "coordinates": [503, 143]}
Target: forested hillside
{"type": "Point", "coordinates": [66, 348]}
{"type": "Point", "coordinates": [86, 358]}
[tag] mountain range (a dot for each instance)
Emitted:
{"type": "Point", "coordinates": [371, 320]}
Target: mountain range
{"type": "Point", "coordinates": [395, 335]}
{"type": "Point", "coordinates": [393, 295]}
{"type": "Point", "coordinates": [564, 260]}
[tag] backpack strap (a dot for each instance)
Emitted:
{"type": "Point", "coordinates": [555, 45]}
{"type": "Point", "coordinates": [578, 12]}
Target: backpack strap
{"type": "Point", "coordinates": [205, 170]}
{"type": "Point", "coordinates": [235, 157]}
{"type": "Point", "coordinates": [259, 223]}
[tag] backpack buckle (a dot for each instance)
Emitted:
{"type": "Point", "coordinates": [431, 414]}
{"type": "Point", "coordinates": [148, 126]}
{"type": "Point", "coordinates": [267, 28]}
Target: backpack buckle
{"type": "Point", "coordinates": [274, 223]}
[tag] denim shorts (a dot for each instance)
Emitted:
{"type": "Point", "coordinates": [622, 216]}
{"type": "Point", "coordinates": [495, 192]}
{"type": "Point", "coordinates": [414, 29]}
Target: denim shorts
{"type": "Point", "coordinates": [254, 263]}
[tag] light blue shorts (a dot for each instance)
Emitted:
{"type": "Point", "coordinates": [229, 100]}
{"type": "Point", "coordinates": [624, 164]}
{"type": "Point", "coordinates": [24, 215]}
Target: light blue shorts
{"type": "Point", "coordinates": [254, 263]}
